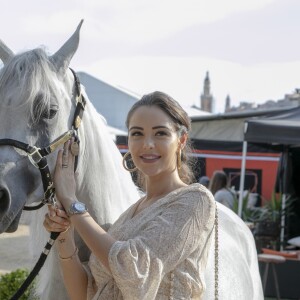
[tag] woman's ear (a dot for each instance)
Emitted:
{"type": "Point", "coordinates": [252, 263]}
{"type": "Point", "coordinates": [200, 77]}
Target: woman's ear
{"type": "Point", "coordinates": [183, 140]}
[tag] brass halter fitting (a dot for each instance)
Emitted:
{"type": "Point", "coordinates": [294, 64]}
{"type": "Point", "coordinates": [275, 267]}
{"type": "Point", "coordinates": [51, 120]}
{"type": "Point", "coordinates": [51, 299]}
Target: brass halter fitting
{"type": "Point", "coordinates": [61, 140]}
{"type": "Point", "coordinates": [35, 156]}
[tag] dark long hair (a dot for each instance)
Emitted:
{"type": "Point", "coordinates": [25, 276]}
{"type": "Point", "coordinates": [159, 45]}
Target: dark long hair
{"type": "Point", "coordinates": [182, 125]}
{"type": "Point", "coordinates": [218, 181]}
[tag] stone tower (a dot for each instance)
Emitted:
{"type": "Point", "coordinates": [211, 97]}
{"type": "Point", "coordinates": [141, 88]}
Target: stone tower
{"type": "Point", "coordinates": [227, 104]}
{"type": "Point", "coordinates": [206, 97]}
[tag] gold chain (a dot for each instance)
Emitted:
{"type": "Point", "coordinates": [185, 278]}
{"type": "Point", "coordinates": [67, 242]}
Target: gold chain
{"type": "Point", "coordinates": [216, 254]}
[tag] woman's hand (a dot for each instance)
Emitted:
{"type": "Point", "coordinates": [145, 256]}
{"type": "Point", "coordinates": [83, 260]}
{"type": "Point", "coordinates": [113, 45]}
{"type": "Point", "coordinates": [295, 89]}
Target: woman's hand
{"type": "Point", "coordinates": [64, 177]}
{"type": "Point", "coordinates": [56, 220]}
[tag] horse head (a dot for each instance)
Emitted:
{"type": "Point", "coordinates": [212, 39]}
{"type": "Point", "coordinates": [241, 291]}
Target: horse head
{"type": "Point", "coordinates": [36, 107]}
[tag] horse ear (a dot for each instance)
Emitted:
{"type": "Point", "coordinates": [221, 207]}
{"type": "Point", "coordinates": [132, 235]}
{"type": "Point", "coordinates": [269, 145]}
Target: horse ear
{"type": "Point", "coordinates": [61, 59]}
{"type": "Point", "coordinates": [5, 52]}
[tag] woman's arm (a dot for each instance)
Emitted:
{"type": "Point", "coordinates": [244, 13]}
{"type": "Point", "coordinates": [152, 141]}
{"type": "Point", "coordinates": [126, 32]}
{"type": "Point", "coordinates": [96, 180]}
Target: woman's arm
{"type": "Point", "coordinates": [74, 274]}
{"type": "Point", "coordinates": [94, 236]}
{"type": "Point", "coordinates": [99, 242]}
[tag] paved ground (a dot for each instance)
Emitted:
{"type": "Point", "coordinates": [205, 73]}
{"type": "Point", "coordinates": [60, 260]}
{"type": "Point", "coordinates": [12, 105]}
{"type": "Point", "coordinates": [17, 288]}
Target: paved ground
{"type": "Point", "coordinates": [14, 250]}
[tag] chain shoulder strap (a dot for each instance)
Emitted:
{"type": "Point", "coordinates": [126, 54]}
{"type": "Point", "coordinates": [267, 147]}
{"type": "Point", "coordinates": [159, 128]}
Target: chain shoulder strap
{"type": "Point", "coordinates": [216, 254]}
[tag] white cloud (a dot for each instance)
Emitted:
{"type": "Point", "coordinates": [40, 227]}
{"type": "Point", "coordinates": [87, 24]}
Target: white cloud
{"type": "Point", "coordinates": [137, 21]}
{"type": "Point", "coordinates": [55, 23]}
{"type": "Point", "coordinates": [130, 20]}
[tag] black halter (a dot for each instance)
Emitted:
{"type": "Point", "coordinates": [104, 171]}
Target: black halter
{"type": "Point", "coordinates": [37, 156]}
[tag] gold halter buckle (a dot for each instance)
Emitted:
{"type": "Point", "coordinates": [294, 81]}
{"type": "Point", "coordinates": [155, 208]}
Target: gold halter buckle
{"type": "Point", "coordinates": [35, 156]}
{"type": "Point", "coordinates": [61, 140]}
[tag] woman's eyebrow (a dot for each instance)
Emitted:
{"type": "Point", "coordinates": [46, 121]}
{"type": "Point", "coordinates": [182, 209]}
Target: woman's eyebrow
{"type": "Point", "coordinates": [155, 127]}
{"type": "Point", "coordinates": [136, 128]}
{"type": "Point", "coordinates": [160, 126]}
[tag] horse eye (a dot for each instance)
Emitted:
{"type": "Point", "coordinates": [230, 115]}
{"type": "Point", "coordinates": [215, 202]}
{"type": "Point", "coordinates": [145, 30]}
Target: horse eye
{"type": "Point", "coordinates": [50, 114]}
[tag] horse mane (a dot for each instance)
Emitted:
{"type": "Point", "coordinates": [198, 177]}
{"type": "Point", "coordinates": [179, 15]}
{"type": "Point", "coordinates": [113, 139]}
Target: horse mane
{"type": "Point", "coordinates": [30, 75]}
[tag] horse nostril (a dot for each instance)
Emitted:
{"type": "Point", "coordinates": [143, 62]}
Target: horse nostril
{"type": "Point", "coordinates": [4, 202]}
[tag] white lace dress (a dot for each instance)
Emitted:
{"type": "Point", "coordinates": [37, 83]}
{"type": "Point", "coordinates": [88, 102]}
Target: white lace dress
{"type": "Point", "coordinates": [161, 252]}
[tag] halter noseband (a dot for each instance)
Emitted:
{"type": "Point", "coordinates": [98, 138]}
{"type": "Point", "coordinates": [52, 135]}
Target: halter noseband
{"type": "Point", "coordinates": [37, 156]}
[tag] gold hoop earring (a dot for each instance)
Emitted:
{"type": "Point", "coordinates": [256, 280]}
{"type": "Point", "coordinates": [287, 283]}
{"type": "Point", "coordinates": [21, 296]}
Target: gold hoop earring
{"type": "Point", "coordinates": [179, 159]}
{"type": "Point", "coordinates": [125, 163]}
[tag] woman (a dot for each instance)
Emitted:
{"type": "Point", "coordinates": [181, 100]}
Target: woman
{"type": "Point", "coordinates": [158, 248]}
{"type": "Point", "coordinates": [219, 188]}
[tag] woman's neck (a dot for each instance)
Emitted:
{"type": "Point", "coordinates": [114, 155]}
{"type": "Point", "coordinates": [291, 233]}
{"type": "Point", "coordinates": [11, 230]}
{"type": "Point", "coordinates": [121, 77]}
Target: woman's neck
{"type": "Point", "coordinates": [156, 189]}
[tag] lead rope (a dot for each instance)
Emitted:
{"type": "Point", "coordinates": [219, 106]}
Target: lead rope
{"type": "Point", "coordinates": [37, 267]}
{"type": "Point", "coordinates": [216, 254]}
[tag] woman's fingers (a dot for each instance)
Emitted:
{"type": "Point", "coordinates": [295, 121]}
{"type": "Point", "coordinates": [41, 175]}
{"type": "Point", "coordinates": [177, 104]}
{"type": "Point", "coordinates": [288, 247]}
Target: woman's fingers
{"type": "Point", "coordinates": [65, 160]}
{"type": "Point", "coordinates": [59, 159]}
{"type": "Point", "coordinates": [64, 178]}
{"type": "Point", "coordinates": [61, 213]}
{"type": "Point", "coordinates": [56, 220]}
{"type": "Point", "coordinates": [57, 210]}
{"type": "Point", "coordinates": [58, 216]}
{"type": "Point", "coordinates": [52, 210]}
{"type": "Point", "coordinates": [52, 226]}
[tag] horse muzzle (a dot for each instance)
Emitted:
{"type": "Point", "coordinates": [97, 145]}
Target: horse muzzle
{"type": "Point", "coordinates": [10, 211]}
{"type": "Point", "coordinates": [8, 219]}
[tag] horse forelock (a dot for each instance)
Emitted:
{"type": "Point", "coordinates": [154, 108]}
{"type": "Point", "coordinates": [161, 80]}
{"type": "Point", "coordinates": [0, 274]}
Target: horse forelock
{"type": "Point", "coordinates": [30, 79]}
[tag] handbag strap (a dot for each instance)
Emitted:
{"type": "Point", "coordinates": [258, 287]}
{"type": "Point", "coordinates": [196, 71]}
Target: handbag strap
{"type": "Point", "coordinates": [216, 254]}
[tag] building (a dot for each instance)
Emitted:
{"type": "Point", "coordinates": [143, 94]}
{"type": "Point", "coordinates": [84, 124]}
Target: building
{"type": "Point", "coordinates": [206, 99]}
{"type": "Point", "coordinates": [227, 103]}
{"type": "Point", "coordinates": [289, 101]}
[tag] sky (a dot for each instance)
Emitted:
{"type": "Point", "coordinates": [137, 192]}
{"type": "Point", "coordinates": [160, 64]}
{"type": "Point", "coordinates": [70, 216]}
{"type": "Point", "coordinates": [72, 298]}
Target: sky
{"type": "Point", "coordinates": [251, 48]}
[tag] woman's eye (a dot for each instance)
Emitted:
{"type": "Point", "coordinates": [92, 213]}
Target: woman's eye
{"type": "Point", "coordinates": [159, 133]}
{"type": "Point", "coordinates": [136, 133]}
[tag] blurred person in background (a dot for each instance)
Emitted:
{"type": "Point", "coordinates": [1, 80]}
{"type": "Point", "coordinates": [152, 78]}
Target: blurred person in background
{"type": "Point", "coordinates": [219, 188]}
{"type": "Point", "coordinates": [204, 180]}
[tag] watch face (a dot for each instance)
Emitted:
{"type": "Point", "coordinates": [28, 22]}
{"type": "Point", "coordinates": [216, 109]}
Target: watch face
{"type": "Point", "coordinates": [79, 206]}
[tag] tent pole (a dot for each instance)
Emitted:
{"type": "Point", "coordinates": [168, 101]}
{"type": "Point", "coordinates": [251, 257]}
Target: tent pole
{"type": "Point", "coordinates": [242, 179]}
{"type": "Point", "coordinates": [283, 202]}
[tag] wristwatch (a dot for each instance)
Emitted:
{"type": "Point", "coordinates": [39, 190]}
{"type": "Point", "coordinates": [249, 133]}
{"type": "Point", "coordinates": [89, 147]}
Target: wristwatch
{"type": "Point", "coordinates": [77, 208]}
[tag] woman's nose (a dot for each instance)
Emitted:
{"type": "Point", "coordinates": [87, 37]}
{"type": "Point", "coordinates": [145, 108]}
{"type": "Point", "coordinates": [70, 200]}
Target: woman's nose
{"type": "Point", "coordinates": [148, 143]}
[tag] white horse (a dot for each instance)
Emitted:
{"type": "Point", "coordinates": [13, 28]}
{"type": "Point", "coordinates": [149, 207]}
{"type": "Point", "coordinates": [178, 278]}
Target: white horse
{"type": "Point", "coordinates": [37, 104]}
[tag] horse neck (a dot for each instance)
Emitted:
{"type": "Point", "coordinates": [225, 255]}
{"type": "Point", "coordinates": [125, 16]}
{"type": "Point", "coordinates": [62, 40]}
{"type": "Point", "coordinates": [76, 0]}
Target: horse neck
{"type": "Point", "coordinates": [102, 182]}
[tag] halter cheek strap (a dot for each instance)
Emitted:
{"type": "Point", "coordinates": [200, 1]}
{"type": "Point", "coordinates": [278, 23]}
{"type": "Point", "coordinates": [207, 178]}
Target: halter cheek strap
{"type": "Point", "coordinates": [80, 103]}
